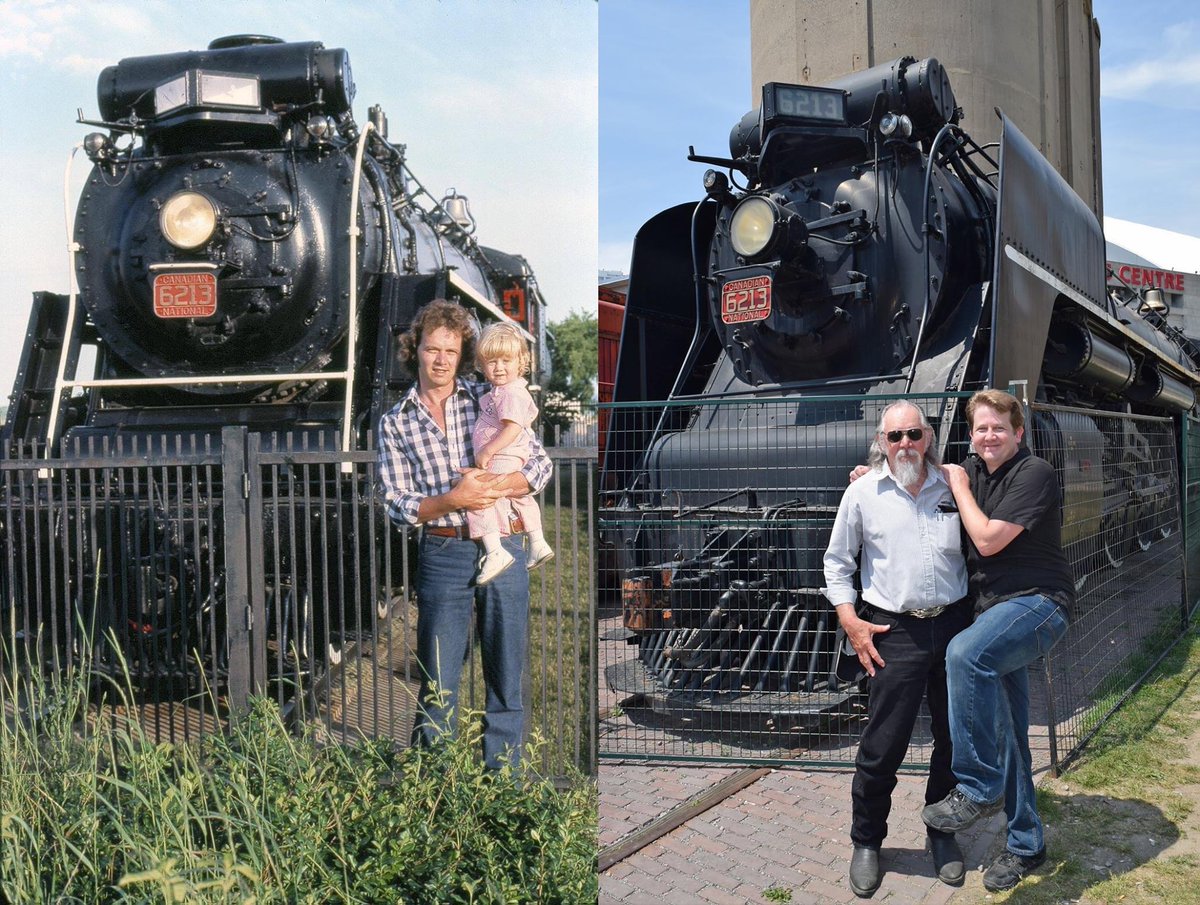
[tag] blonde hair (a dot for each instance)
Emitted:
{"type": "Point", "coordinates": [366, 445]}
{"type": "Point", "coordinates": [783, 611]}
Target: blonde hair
{"type": "Point", "coordinates": [503, 339]}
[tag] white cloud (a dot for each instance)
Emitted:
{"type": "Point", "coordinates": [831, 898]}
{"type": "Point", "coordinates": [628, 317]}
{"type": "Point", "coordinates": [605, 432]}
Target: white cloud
{"type": "Point", "coordinates": [1166, 72]}
{"type": "Point", "coordinates": [28, 30]}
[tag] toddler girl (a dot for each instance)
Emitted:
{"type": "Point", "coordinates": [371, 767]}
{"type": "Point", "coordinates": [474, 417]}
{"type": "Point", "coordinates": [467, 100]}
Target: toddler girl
{"type": "Point", "coordinates": [501, 442]}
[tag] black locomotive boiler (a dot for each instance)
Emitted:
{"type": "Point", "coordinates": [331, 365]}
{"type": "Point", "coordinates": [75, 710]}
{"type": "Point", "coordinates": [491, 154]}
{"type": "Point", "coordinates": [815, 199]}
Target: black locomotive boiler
{"type": "Point", "coordinates": [861, 247]}
{"type": "Point", "coordinates": [245, 253]}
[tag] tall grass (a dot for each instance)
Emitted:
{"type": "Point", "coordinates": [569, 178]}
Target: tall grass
{"type": "Point", "coordinates": [95, 811]}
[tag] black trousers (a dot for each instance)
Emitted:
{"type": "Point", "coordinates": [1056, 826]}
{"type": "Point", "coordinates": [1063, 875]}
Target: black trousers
{"type": "Point", "coordinates": [915, 653]}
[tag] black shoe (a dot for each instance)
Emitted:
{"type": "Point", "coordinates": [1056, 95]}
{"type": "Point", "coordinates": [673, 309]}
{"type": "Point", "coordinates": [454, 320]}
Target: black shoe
{"type": "Point", "coordinates": [956, 812]}
{"type": "Point", "coordinates": [947, 859]}
{"type": "Point", "coordinates": [864, 871]}
{"type": "Point", "coordinates": [1010, 869]}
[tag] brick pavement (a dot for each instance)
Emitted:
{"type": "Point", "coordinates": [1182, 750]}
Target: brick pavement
{"type": "Point", "coordinates": [789, 829]}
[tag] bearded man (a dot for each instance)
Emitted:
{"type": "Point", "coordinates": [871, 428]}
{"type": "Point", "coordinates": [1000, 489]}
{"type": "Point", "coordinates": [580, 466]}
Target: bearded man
{"type": "Point", "coordinates": [901, 516]}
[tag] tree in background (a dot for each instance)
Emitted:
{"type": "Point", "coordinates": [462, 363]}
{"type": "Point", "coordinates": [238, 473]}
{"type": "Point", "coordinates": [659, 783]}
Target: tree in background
{"type": "Point", "coordinates": [573, 365]}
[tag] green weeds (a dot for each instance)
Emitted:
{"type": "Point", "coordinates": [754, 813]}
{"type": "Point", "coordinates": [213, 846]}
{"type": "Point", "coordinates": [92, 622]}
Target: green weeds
{"type": "Point", "coordinates": [95, 811]}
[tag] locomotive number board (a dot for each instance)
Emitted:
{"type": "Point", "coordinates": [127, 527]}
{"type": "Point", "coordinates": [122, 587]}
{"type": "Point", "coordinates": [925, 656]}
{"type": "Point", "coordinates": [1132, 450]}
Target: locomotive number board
{"type": "Point", "coordinates": [185, 294]}
{"type": "Point", "coordinates": [746, 300]}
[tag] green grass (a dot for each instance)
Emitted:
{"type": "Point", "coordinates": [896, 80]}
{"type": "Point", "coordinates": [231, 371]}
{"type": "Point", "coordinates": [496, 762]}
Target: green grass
{"type": "Point", "coordinates": [94, 810]}
{"type": "Point", "coordinates": [1132, 794]}
{"type": "Point", "coordinates": [561, 628]}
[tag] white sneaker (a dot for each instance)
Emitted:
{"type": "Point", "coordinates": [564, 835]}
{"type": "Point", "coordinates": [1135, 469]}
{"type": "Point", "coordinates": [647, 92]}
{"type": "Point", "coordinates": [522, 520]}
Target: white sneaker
{"type": "Point", "coordinates": [539, 552]}
{"type": "Point", "coordinates": [492, 565]}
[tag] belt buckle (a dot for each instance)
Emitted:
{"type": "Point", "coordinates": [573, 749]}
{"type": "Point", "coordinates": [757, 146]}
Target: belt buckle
{"type": "Point", "coordinates": [929, 612]}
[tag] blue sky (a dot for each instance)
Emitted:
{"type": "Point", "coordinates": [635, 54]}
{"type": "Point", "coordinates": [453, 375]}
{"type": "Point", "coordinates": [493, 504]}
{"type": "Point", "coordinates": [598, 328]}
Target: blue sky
{"type": "Point", "coordinates": [675, 73]}
{"type": "Point", "coordinates": [496, 99]}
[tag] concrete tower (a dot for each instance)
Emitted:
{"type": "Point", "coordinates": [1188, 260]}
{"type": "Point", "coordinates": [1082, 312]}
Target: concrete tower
{"type": "Point", "coordinates": [1038, 60]}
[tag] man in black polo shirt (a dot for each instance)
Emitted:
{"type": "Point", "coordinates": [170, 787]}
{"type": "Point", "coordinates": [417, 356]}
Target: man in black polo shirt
{"type": "Point", "coordinates": [1010, 507]}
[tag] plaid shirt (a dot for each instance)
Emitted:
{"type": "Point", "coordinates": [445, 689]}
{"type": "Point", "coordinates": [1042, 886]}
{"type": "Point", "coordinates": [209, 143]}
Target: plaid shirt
{"type": "Point", "coordinates": [417, 460]}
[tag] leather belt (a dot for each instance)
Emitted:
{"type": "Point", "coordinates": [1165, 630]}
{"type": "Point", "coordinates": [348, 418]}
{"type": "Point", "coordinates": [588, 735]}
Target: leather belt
{"type": "Point", "coordinates": [462, 532]}
{"type": "Point", "coordinates": [926, 613]}
{"type": "Point", "coordinates": [459, 531]}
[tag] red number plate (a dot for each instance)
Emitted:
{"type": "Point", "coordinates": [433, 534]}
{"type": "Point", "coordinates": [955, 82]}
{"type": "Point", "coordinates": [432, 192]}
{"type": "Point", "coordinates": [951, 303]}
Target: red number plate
{"type": "Point", "coordinates": [746, 300]}
{"type": "Point", "coordinates": [185, 294]}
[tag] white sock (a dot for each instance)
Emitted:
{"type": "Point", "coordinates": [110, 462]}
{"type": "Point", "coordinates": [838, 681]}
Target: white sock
{"type": "Point", "coordinates": [535, 537]}
{"type": "Point", "coordinates": [491, 542]}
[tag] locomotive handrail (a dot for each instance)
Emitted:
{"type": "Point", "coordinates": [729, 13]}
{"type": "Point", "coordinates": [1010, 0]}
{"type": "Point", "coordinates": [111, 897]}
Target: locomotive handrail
{"type": "Point", "coordinates": [352, 329]}
{"type": "Point", "coordinates": [60, 373]}
{"type": "Point", "coordinates": [947, 129]}
{"type": "Point", "coordinates": [203, 380]}
{"type": "Point", "coordinates": [715, 399]}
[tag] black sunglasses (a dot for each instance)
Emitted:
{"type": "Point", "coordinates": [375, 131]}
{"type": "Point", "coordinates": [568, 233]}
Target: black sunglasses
{"type": "Point", "coordinates": [913, 433]}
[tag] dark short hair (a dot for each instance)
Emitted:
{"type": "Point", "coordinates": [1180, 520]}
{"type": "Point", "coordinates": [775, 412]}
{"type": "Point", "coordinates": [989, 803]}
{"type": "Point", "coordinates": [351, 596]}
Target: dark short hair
{"type": "Point", "coordinates": [440, 313]}
{"type": "Point", "coordinates": [999, 401]}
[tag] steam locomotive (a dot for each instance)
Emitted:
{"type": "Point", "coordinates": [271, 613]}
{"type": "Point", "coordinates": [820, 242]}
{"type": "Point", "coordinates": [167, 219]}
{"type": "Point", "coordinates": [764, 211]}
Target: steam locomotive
{"type": "Point", "coordinates": [246, 254]}
{"type": "Point", "coordinates": [872, 250]}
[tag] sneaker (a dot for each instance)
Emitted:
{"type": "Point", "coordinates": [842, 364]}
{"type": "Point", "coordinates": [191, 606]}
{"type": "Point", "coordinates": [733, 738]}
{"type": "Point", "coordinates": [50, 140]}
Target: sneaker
{"type": "Point", "coordinates": [492, 565]}
{"type": "Point", "coordinates": [539, 552]}
{"type": "Point", "coordinates": [956, 812]}
{"type": "Point", "coordinates": [864, 871]}
{"type": "Point", "coordinates": [947, 859]}
{"type": "Point", "coordinates": [1010, 869]}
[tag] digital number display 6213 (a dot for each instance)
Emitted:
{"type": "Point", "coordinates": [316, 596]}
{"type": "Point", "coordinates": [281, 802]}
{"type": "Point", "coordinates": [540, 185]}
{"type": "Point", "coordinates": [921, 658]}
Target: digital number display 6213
{"type": "Point", "coordinates": [786, 101]}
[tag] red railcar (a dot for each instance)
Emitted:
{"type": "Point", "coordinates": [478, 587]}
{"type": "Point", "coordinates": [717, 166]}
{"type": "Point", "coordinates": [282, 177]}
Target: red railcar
{"type": "Point", "coordinates": [611, 317]}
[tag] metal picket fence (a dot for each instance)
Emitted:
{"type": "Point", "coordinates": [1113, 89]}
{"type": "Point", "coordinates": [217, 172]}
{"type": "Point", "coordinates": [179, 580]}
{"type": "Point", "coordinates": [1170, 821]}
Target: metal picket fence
{"type": "Point", "coordinates": [716, 643]}
{"type": "Point", "coordinates": [206, 572]}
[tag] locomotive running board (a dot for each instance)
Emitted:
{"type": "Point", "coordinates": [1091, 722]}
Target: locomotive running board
{"type": "Point", "coordinates": [486, 304]}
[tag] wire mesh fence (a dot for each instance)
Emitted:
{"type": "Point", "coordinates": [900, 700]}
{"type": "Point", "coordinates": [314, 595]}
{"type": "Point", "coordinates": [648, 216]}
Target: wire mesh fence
{"type": "Point", "coordinates": [1191, 513]}
{"type": "Point", "coordinates": [199, 572]}
{"type": "Point", "coordinates": [1122, 535]}
{"type": "Point", "coordinates": [716, 639]}
{"type": "Point", "coordinates": [716, 642]}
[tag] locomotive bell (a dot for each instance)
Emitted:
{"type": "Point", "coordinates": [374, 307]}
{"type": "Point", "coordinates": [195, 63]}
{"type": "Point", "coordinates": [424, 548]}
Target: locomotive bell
{"type": "Point", "coordinates": [457, 207]}
{"type": "Point", "coordinates": [1152, 300]}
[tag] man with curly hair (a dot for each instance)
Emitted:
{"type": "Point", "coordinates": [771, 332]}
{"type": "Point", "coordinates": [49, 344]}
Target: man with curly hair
{"type": "Point", "coordinates": [426, 465]}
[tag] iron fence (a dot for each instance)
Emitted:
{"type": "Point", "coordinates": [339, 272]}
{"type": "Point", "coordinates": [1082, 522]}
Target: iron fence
{"type": "Point", "coordinates": [716, 642]}
{"type": "Point", "coordinates": [201, 571]}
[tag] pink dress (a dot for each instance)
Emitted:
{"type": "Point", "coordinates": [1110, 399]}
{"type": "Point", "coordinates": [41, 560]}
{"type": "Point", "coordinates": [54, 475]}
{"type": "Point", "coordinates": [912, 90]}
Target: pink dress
{"type": "Point", "coordinates": [511, 402]}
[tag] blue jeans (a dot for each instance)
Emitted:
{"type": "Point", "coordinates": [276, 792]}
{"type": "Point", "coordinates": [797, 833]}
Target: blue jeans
{"type": "Point", "coordinates": [446, 599]}
{"type": "Point", "coordinates": [989, 708]}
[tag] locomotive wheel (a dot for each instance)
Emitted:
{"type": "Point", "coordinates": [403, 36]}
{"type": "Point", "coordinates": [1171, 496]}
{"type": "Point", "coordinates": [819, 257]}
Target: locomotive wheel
{"type": "Point", "coordinates": [1145, 532]}
{"type": "Point", "coordinates": [1116, 543]}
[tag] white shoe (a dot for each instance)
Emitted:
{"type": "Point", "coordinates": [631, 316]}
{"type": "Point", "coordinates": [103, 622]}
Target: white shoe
{"type": "Point", "coordinates": [539, 552]}
{"type": "Point", "coordinates": [492, 565]}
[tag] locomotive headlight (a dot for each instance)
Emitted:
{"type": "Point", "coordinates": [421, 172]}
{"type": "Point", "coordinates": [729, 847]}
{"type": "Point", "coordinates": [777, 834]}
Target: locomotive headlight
{"type": "Point", "coordinates": [752, 226]}
{"type": "Point", "coordinates": [188, 220]}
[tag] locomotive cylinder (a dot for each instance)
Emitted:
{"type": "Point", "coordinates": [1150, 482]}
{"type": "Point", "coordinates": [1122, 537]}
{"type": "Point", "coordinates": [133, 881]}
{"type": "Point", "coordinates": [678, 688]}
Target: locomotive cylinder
{"type": "Point", "coordinates": [1153, 387]}
{"type": "Point", "coordinates": [1075, 352]}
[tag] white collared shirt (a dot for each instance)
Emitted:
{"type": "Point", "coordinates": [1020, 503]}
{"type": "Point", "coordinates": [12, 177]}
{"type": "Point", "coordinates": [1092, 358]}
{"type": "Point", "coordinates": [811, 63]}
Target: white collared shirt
{"type": "Point", "coordinates": [912, 554]}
